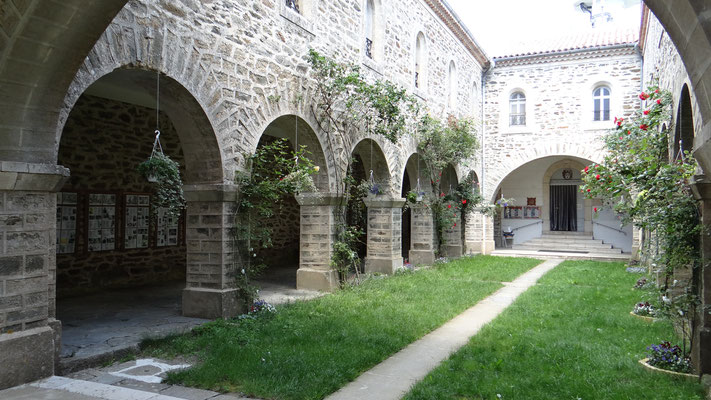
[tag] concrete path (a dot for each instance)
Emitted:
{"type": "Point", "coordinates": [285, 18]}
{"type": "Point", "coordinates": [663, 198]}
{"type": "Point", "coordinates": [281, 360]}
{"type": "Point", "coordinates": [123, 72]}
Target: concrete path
{"type": "Point", "coordinates": [394, 377]}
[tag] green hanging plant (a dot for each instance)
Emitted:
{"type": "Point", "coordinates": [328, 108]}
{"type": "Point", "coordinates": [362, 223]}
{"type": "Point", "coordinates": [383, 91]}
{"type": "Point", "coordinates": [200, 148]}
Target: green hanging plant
{"type": "Point", "coordinates": [164, 173]}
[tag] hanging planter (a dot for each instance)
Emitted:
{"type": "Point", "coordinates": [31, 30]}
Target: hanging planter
{"type": "Point", "coordinates": [164, 173]}
{"type": "Point", "coordinates": [374, 187]}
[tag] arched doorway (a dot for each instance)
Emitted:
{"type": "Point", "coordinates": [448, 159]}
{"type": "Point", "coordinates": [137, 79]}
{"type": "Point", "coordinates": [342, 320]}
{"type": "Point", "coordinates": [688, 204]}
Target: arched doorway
{"type": "Point", "coordinates": [282, 258]}
{"type": "Point", "coordinates": [683, 127]}
{"type": "Point", "coordinates": [116, 251]}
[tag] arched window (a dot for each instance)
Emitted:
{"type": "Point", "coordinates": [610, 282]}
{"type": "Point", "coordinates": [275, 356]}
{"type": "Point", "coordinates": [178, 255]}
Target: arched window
{"type": "Point", "coordinates": [601, 104]}
{"type": "Point", "coordinates": [420, 62]}
{"type": "Point", "coordinates": [369, 28]}
{"type": "Point", "coordinates": [684, 129]}
{"type": "Point", "coordinates": [452, 85]}
{"type": "Point", "coordinates": [517, 107]}
{"type": "Point", "coordinates": [475, 98]}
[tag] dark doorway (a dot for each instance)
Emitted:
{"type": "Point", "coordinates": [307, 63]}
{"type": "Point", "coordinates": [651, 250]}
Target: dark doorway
{"type": "Point", "coordinates": [406, 219]}
{"type": "Point", "coordinates": [563, 208]}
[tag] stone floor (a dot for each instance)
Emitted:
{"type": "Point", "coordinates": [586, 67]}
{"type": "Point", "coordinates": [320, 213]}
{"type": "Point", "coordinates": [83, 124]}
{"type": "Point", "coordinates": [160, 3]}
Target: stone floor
{"type": "Point", "coordinates": [106, 326]}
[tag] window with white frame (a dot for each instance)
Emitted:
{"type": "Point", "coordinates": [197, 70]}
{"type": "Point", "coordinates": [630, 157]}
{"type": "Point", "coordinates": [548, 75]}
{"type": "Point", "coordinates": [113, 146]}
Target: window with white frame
{"type": "Point", "coordinates": [369, 28]}
{"type": "Point", "coordinates": [452, 85]}
{"type": "Point", "coordinates": [420, 62]}
{"type": "Point", "coordinates": [601, 103]}
{"type": "Point", "coordinates": [517, 109]}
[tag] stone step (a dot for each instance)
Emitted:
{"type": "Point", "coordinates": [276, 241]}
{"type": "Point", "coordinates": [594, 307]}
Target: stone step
{"type": "Point", "coordinates": [575, 249]}
{"type": "Point", "coordinates": [567, 233]}
{"type": "Point", "coordinates": [567, 236]}
{"type": "Point", "coordinates": [571, 256]}
{"type": "Point", "coordinates": [546, 240]}
{"type": "Point", "coordinates": [568, 245]}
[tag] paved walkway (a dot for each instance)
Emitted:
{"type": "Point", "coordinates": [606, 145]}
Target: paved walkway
{"type": "Point", "coordinates": [394, 377]}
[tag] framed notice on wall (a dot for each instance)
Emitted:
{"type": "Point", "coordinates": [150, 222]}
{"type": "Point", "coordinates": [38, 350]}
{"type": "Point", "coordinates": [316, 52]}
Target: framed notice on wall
{"type": "Point", "coordinates": [137, 220]}
{"type": "Point", "coordinates": [166, 228]}
{"type": "Point", "coordinates": [101, 232]}
{"type": "Point", "coordinates": [531, 212]}
{"type": "Point", "coordinates": [66, 222]}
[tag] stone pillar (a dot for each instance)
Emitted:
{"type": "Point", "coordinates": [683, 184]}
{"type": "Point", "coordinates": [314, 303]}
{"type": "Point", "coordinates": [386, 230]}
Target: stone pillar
{"type": "Point", "coordinates": [317, 233]}
{"type": "Point", "coordinates": [477, 239]}
{"type": "Point", "coordinates": [209, 290]}
{"type": "Point", "coordinates": [636, 242]}
{"type": "Point", "coordinates": [422, 236]}
{"type": "Point", "coordinates": [29, 332]}
{"type": "Point", "coordinates": [452, 242]}
{"type": "Point", "coordinates": [701, 353]}
{"type": "Point", "coordinates": [384, 235]}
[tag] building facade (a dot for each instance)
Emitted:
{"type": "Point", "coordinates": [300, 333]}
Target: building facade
{"type": "Point", "coordinates": [82, 92]}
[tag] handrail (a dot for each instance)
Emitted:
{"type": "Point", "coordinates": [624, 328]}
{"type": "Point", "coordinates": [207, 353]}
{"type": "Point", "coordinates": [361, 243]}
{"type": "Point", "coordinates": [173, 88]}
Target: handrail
{"type": "Point", "coordinates": [609, 227]}
{"type": "Point", "coordinates": [526, 226]}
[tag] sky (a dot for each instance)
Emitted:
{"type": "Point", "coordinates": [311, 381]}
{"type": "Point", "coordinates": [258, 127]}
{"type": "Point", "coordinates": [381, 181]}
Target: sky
{"type": "Point", "coordinates": [498, 24]}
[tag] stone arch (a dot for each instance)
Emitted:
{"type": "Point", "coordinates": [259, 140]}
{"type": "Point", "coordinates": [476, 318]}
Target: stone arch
{"type": "Point", "coordinates": [413, 168]}
{"type": "Point", "coordinates": [450, 179]}
{"type": "Point", "coordinates": [374, 160]}
{"type": "Point", "coordinates": [689, 28]}
{"type": "Point", "coordinates": [117, 50]}
{"type": "Point", "coordinates": [49, 59]}
{"type": "Point", "coordinates": [300, 132]}
{"type": "Point", "coordinates": [495, 176]}
{"type": "Point", "coordinates": [203, 160]}
{"type": "Point", "coordinates": [683, 125]}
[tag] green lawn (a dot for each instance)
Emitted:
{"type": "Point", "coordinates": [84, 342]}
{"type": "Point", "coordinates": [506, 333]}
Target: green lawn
{"type": "Point", "coordinates": [569, 337]}
{"type": "Point", "coordinates": [310, 349]}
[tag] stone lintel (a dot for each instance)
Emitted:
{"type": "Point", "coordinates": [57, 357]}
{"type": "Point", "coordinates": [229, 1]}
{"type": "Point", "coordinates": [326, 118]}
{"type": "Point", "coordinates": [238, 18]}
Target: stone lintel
{"type": "Point", "coordinates": [318, 199]}
{"type": "Point", "coordinates": [32, 177]}
{"type": "Point", "coordinates": [211, 192]}
{"type": "Point", "coordinates": [211, 303]}
{"type": "Point", "coordinates": [323, 280]}
{"type": "Point", "coordinates": [421, 257]}
{"type": "Point", "coordinates": [26, 356]}
{"type": "Point", "coordinates": [377, 202]}
{"type": "Point", "coordinates": [380, 265]}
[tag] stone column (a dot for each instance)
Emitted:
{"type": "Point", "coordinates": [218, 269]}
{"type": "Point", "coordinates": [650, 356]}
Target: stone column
{"type": "Point", "coordinates": [209, 289]}
{"type": "Point", "coordinates": [636, 242]}
{"type": "Point", "coordinates": [701, 354]}
{"type": "Point", "coordinates": [29, 333]}
{"type": "Point", "coordinates": [317, 233]}
{"type": "Point", "coordinates": [384, 235]}
{"type": "Point", "coordinates": [422, 236]}
{"type": "Point", "coordinates": [452, 242]}
{"type": "Point", "coordinates": [478, 233]}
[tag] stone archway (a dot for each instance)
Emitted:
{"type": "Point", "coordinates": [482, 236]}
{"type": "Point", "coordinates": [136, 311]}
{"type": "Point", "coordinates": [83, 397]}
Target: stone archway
{"type": "Point", "coordinates": [572, 165]}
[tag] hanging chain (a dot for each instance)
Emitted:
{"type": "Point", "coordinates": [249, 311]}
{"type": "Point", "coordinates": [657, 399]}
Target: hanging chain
{"type": "Point", "coordinates": [157, 148]}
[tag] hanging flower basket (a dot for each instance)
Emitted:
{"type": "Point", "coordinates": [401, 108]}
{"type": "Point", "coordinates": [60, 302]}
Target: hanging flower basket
{"type": "Point", "coordinates": [164, 173]}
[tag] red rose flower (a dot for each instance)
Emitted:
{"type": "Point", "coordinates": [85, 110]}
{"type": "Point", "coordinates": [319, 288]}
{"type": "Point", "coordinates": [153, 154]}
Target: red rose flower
{"type": "Point", "coordinates": [629, 132]}
{"type": "Point", "coordinates": [586, 169]}
{"type": "Point", "coordinates": [597, 177]}
{"type": "Point", "coordinates": [595, 209]}
{"type": "Point", "coordinates": [464, 202]}
{"type": "Point", "coordinates": [643, 127]}
{"type": "Point", "coordinates": [656, 91]}
{"type": "Point", "coordinates": [643, 96]}
{"type": "Point", "coordinates": [646, 112]}
{"type": "Point", "coordinates": [449, 206]}
{"type": "Point", "coordinates": [659, 101]}
{"type": "Point", "coordinates": [588, 190]}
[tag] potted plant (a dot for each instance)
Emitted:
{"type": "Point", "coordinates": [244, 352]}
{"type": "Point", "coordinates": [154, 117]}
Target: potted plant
{"type": "Point", "coordinates": [669, 359]}
{"type": "Point", "coordinates": [160, 170]}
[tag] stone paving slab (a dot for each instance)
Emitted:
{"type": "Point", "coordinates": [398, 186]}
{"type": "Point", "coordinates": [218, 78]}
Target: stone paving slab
{"type": "Point", "coordinates": [394, 377]}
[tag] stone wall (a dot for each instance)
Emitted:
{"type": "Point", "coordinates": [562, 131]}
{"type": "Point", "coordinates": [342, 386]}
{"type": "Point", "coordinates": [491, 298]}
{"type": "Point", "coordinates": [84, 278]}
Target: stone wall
{"type": "Point", "coordinates": [559, 117]}
{"type": "Point", "coordinates": [102, 144]}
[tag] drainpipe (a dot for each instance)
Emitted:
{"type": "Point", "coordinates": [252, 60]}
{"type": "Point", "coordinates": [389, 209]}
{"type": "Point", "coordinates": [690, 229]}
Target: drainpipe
{"type": "Point", "coordinates": [483, 141]}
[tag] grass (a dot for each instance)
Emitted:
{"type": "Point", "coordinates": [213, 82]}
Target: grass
{"type": "Point", "coordinates": [569, 337]}
{"type": "Point", "coordinates": [310, 349]}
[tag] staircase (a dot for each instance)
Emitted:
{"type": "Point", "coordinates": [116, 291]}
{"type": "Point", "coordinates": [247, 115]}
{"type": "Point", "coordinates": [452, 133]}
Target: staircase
{"type": "Point", "coordinates": [573, 245]}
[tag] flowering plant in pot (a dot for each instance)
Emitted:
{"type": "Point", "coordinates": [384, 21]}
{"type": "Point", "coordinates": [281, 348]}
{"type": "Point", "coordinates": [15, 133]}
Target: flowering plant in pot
{"type": "Point", "coordinates": [669, 357]}
{"type": "Point", "coordinates": [160, 170]}
{"type": "Point", "coordinates": [644, 309]}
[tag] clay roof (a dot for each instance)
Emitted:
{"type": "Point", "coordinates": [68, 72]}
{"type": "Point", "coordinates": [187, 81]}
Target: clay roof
{"type": "Point", "coordinates": [589, 39]}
